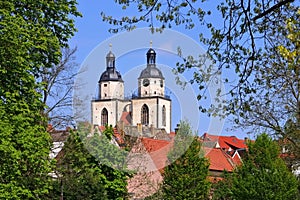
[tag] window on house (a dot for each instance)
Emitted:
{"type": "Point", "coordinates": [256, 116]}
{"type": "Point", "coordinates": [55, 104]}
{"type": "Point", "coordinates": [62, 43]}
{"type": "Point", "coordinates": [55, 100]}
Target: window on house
{"type": "Point", "coordinates": [164, 116]}
{"type": "Point", "coordinates": [105, 85]}
{"type": "Point", "coordinates": [145, 115]}
{"type": "Point", "coordinates": [104, 117]}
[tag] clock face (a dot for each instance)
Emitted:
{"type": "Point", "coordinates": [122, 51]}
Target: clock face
{"type": "Point", "coordinates": [146, 82]}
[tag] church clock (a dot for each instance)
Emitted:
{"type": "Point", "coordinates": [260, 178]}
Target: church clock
{"type": "Point", "coordinates": [146, 82]}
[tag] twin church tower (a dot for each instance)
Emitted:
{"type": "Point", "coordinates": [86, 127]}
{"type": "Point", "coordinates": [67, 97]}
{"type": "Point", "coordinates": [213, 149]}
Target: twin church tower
{"type": "Point", "coordinates": [149, 108]}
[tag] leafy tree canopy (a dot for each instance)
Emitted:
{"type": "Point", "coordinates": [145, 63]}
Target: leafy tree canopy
{"type": "Point", "coordinates": [263, 175]}
{"type": "Point", "coordinates": [240, 43]}
{"type": "Point", "coordinates": [186, 176]}
{"type": "Point", "coordinates": [31, 35]}
{"type": "Point", "coordinates": [86, 171]}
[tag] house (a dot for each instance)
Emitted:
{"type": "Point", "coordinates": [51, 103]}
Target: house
{"type": "Point", "coordinates": [223, 153]}
{"type": "Point", "coordinates": [58, 139]}
{"type": "Point", "coordinates": [148, 158]}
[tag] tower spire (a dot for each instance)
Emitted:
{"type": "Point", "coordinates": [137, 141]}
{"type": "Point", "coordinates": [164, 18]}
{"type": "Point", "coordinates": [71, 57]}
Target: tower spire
{"type": "Point", "coordinates": [151, 56]}
{"type": "Point", "coordinates": [110, 58]}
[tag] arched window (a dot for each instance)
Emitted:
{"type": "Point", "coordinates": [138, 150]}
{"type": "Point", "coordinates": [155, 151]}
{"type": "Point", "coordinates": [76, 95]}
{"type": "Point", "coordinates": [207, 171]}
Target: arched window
{"type": "Point", "coordinates": [145, 115]}
{"type": "Point", "coordinates": [104, 117]}
{"type": "Point", "coordinates": [152, 59]}
{"type": "Point", "coordinates": [164, 115]}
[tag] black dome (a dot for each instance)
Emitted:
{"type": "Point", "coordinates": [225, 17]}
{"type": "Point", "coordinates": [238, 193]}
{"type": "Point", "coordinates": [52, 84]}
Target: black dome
{"type": "Point", "coordinates": [151, 72]}
{"type": "Point", "coordinates": [111, 75]}
{"type": "Point", "coordinates": [151, 51]}
{"type": "Point", "coordinates": [110, 55]}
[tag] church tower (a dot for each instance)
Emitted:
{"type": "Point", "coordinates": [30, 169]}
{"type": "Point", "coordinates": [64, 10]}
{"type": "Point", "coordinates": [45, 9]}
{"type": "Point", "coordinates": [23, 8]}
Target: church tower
{"type": "Point", "coordinates": [151, 107]}
{"type": "Point", "coordinates": [108, 107]}
{"type": "Point", "coordinates": [111, 85]}
{"type": "Point", "coordinates": [151, 81]}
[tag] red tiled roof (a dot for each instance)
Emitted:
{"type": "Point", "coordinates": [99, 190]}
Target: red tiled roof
{"type": "Point", "coordinates": [101, 128]}
{"type": "Point", "coordinates": [236, 158]}
{"type": "Point", "coordinates": [172, 134]}
{"type": "Point", "coordinates": [219, 160]}
{"type": "Point", "coordinates": [158, 150]}
{"type": "Point", "coordinates": [118, 137]}
{"type": "Point", "coordinates": [126, 118]}
{"type": "Point", "coordinates": [152, 145]}
{"type": "Point", "coordinates": [226, 142]}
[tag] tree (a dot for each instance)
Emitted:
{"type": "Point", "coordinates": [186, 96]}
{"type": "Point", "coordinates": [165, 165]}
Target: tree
{"type": "Point", "coordinates": [255, 49]}
{"type": "Point", "coordinates": [84, 170]}
{"type": "Point", "coordinates": [276, 104]}
{"type": "Point", "coordinates": [186, 175]}
{"type": "Point", "coordinates": [31, 36]}
{"type": "Point", "coordinates": [79, 174]}
{"type": "Point", "coordinates": [239, 46]}
{"type": "Point", "coordinates": [263, 175]}
{"type": "Point", "coordinates": [58, 83]}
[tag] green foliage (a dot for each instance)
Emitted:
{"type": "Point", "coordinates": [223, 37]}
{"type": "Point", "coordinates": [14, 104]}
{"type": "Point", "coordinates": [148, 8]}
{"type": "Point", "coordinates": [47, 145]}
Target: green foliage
{"type": "Point", "coordinates": [263, 175]}
{"type": "Point", "coordinates": [31, 35]}
{"type": "Point", "coordinates": [186, 176]}
{"type": "Point", "coordinates": [240, 37]}
{"type": "Point", "coordinates": [80, 176]}
{"type": "Point", "coordinates": [82, 173]}
{"type": "Point", "coordinates": [24, 157]}
{"type": "Point", "coordinates": [108, 132]}
{"type": "Point", "coordinates": [182, 141]}
{"type": "Point", "coordinates": [253, 44]}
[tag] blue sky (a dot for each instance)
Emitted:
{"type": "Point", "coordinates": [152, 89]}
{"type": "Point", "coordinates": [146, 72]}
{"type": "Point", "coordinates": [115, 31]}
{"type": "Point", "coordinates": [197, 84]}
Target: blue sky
{"type": "Point", "coordinates": [93, 38]}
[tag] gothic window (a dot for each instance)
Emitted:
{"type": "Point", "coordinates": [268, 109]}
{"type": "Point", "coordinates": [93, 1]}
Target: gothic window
{"type": "Point", "coordinates": [145, 115]}
{"type": "Point", "coordinates": [104, 117]}
{"type": "Point", "coordinates": [164, 115]}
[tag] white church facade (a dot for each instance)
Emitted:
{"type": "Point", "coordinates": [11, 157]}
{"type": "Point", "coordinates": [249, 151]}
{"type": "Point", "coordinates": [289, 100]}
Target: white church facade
{"type": "Point", "coordinates": [149, 108]}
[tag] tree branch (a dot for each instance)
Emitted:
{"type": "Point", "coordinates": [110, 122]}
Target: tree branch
{"type": "Point", "coordinates": [271, 9]}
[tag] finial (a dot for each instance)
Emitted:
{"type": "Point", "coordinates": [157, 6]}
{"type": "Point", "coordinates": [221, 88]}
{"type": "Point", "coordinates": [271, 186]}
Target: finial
{"type": "Point", "coordinates": [150, 43]}
{"type": "Point", "coordinates": [110, 46]}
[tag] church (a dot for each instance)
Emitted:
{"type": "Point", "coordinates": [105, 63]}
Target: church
{"type": "Point", "coordinates": [149, 109]}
